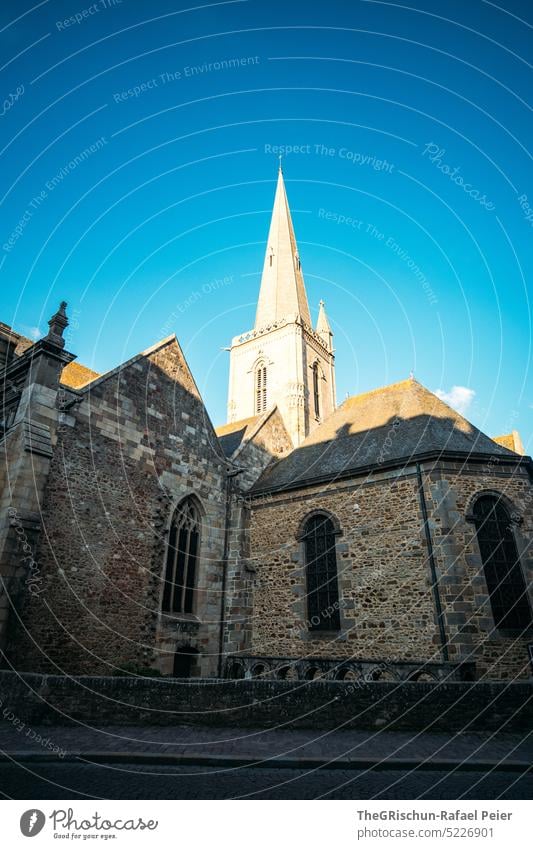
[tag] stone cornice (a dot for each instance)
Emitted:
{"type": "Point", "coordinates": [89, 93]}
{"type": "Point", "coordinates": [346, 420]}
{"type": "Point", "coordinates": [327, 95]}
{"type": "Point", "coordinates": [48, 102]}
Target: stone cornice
{"type": "Point", "coordinates": [23, 363]}
{"type": "Point", "coordinates": [250, 335]}
{"type": "Point", "coordinates": [463, 457]}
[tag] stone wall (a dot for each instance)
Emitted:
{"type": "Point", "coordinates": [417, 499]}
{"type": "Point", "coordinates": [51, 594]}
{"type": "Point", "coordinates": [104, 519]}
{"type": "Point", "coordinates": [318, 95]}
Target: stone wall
{"type": "Point", "coordinates": [288, 349]}
{"type": "Point", "coordinates": [387, 602]}
{"type": "Point", "coordinates": [32, 381]}
{"type": "Point", "coordinates": [451, 490]}
{"type": "Point", "coordinates": [386, 605]}
{"type": "Point", "coordinates": [268, 442]}
{"type": "Point", "coordinates": [136, 444]}
{"type": "Point", "coordinates": [481, 707]}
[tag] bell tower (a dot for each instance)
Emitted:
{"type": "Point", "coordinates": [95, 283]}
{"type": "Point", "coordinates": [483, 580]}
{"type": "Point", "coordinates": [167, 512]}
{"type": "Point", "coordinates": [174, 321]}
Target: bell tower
{"type": "Point", "coordinates": [283, 361]}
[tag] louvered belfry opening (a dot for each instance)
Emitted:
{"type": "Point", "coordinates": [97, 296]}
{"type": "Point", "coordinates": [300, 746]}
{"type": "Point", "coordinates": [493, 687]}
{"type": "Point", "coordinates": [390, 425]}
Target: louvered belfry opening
{"type": "Point", "coordinates": [501, 563]}
{"type": "Point", "coordinates": [316, 393]}
{"type": "Point", "coordinates": [182, 559]}
{"type": "Point", "coordinates": [321, 570]}
{"type": "Point", "coordinates": [261, 388]}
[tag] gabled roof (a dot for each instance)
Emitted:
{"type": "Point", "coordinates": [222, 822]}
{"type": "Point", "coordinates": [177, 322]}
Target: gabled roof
{"type": "Point", "coordinates": [512, 441]}
{"type": "Point", "coordinates": [168, 340]}
{"type": "Point", "coordinates": [282, 293]}
{"type": "Point", "coordinates": [232, 434]}
{"type": "Point", "coordinates": [394, 423]}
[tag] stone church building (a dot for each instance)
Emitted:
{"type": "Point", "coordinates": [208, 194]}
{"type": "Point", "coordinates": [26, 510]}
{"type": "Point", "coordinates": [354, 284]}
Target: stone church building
{"type": "Point", "coordinates": [384, 538]}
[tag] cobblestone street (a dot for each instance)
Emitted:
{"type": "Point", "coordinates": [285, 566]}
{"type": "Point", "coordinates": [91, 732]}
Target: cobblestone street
{"type": "Point", "coordinates": [184, 762]}
{"type": "Point", "coordinates": [78, 781]}
{"type": "Point", "coordinates": [264, 744]}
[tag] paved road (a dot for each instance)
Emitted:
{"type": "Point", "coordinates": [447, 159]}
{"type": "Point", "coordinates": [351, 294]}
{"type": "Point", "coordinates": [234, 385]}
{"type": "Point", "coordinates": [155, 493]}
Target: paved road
{"type": "Point", "coordinates": [262, 743]}
{"type": "Point", "coordinates": [78, 781]}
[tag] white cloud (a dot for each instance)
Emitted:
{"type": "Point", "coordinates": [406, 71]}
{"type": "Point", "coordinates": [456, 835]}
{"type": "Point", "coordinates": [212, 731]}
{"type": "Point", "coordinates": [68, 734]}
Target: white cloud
{"type": "Point", "coordinates": [459, 397]}
{"type": "Point", "coordinates": [33, 332]}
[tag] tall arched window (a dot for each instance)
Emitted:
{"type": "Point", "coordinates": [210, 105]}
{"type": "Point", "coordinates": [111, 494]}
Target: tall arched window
{"type": "Point", "coordinates": [182, 558]}
{"type": "Point", "coordinates": [321, 570]}
{"type": "Point", "coordinates": [260, 388]}
{"type": "Point", "coordinates": [503, 573]}
{"type": "Point", "coordinates": [316, 390]}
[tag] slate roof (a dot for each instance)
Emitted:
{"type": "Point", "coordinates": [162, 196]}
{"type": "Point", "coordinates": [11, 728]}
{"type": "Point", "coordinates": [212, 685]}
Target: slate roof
{"type": "Point", "coordinates": [511, 441]}
{"type": "Point", "coordinates": [394, 423]}
{"type": "Point", "coordinates": [507, 440]}
{"type": "Point", "coordinates": [232, 434]}
{"type": "Point", "coordinates": [77, 375]}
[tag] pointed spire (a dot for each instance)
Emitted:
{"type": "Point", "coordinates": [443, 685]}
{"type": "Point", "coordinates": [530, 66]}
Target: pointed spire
{"type": "Point", "coordinates": [57, 325]}
{"type": "Point", "coordinates": [322, 326]}
{"type": "Point", "coordinates": [282, 293]}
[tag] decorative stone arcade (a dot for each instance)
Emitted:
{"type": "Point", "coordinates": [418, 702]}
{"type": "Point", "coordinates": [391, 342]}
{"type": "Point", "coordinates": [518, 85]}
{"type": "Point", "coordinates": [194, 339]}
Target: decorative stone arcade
{"type": "Point", "coordinates": [314, 668]}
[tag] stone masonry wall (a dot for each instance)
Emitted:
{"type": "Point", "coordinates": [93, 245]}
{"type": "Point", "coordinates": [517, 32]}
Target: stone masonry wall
{"type": "Point", "coordinates": [386, 605]}
{"type": "Point", "coordinates": [477, 707]}
{"type": "Point", "coordinates": [451, 491]}
{"type": "Point", "coordinates": [26, 451]}
{"type": "Point", "coordinates": [271, 441]}
{"type": "Point", "coordinates": [138, 442]}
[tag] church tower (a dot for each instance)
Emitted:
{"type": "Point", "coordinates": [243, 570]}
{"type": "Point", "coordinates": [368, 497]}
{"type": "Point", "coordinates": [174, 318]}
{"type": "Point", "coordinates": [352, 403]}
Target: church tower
{"type": "Point", "coordinates": [283, 361]}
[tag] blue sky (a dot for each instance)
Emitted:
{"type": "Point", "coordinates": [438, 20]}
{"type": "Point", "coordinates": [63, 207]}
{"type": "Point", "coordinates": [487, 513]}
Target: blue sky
{"type": "Point", "coordinates": [410, 186]}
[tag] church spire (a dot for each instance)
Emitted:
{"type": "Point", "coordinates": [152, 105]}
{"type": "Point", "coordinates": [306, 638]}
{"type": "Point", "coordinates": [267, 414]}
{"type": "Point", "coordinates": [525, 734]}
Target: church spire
{"type": "Point", "coordinates": [282, 293]}
{"type": "Point", "coordinates": [283, 363]}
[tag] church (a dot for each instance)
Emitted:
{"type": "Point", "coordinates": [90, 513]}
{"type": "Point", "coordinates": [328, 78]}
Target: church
{"type": "Point", "coordinates": [385, 538]}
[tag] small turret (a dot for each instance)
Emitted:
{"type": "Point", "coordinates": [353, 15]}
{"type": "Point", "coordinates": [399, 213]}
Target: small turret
{"type": "Point", "coordinates": [322, 326]}
{"type": "Point", "coordinates": [57, 325]}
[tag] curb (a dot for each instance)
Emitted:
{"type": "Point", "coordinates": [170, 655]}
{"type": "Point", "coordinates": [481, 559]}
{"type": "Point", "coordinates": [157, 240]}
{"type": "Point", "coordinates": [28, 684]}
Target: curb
{"type": "Point", "coordinates": [233, 761]}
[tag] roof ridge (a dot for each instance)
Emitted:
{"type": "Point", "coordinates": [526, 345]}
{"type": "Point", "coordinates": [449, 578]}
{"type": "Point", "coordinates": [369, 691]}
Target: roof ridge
{"type": "Point", "coordinates": [231, 426]}
{"type": "Point", "coordinates": [409, 381]}
{"type": "Point", "coordinates": [391, 424]}
{"type": "Point", "coordinates": [136, 357]}
{"type": "Point", "coordinates": [255, 428]}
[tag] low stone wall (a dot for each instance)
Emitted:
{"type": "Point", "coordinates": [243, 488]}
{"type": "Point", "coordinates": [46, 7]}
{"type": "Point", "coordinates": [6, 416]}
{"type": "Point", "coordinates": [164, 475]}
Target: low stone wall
{"type": "Point", "coordinates": [53, 699]}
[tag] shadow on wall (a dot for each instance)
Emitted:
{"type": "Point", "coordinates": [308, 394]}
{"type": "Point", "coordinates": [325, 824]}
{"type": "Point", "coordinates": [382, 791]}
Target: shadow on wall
{"type": "Point", "coordinates": [400, 439]}
{"type": "Point", "coordinates": [129, 444]}
{"type": "Point", "coordinates": [104, 512]}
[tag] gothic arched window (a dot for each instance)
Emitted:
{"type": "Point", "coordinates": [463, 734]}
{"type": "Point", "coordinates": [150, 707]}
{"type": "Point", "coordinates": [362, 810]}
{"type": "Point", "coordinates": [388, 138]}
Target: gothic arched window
{"type": "Point", "coordinates": [316, 390]}
{"type": "Point", "coordinates": [503, 573]}
{"type": "Point", "coordinates": [260, 388]}
{"type": "Point", "coordinates": [182, 559]}
{"type": "Point", "coordinates": [321, 571]}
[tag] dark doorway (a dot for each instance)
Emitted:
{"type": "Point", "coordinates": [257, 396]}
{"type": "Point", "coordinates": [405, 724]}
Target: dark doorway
{"type": "Point", "coordinates": [184, 660]}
